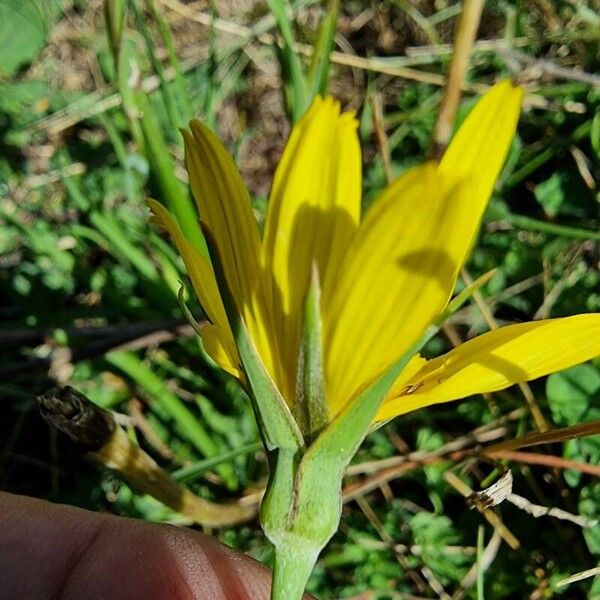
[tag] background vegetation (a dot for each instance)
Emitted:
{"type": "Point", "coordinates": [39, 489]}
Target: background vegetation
{"type": "Point", "coordinates": [88, 289]}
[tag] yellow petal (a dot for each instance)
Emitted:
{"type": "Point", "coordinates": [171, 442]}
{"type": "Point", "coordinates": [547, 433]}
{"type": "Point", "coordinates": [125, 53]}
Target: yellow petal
{"type": "Point", "coordinates": [397, 277]}
{"type": "Point", "coordinates": [313, 212]}
{"type": "Point", "coordinates": [479, 148]}
{"type": "Point", "coordinates": [402, 265]}
{"type": "Point", "coordinates": [216, 335]}
{"type": "Point", "coordinates": [404, 381]}
{"type": "Point", "coordinates": [498, 359]}
{"type": "Point", "coordinates": [220, 348]}
{"type": "Point", "coordinates": [225, 209]}
{"type": "Point", "coordinates": [197, 266]}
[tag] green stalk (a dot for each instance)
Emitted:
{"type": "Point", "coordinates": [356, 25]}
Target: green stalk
{"type": "Point", "coordinates": [115, 138]}
{"type": "Point", "coordinates": [302, 506]}
{"type": "Point", "coordinates": [552, 228]}
{"type": "Point", "coordinates": [73, 189]}
{"type": "Point", "coordinates": [112, 231]}
{"type": "Point", "coordinates": [115, 241]}
{"type": "Point", "coordinates": [480, 568]}
{"type": "Point", "coordinates": [531, 166]}
{"type": "Point", "coordinates": [127, 70]}
{"type": "Point", "coordinates": [291, 570]}
{"type": "Point", "coordinates": [543, 157]}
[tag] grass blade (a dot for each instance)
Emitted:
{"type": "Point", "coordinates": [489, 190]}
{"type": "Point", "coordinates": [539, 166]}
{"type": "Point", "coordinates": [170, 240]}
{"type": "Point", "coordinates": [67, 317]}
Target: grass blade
{"type": "Point", "coordinates": [290, 62]}
{"type": "Point", "coordinates": [185, 421]}
{"type": "Point", "coordinates": [318, 71]}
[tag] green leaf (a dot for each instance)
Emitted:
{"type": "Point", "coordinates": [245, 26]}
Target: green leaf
{"type": "Point", "coordinates": [24, 26]}
{"type": "Point", "coordinates": [550, 194]}
{"type": "Point", "coordinates": [278, 426]}
{"type": "Point", "coordinates": [569, 393]}
{"type": "Point", "coordinates": [429, 440]}
{"type": "Point", "coordinates": [595, 589]}
{"type": "Point", "coordinates": [341, 439]}
{"type": "Point", "coordinates": [20, 96]}
{"type": "Point", "coordinates": [181, 92]}
{"type": "Point", "coordinates": [588, 507]}
{"type": "Point", "coordinates": [433, 533]}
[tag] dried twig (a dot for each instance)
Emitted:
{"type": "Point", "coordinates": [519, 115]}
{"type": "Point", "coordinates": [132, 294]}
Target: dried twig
{"type": "Point", "coordinates": [555, 462]}
{"type": "Point", "coordinates": [491, 517]}
{"type": "Point", "coordinates": [535, 510]}
{"type": "Point", "coordinates": [579, 576]}
{"type": "Point", "coordinates": [392, 468]}
{"type": "Point", "coordinates": [139, 420]}
{"type": "Point", "coordinates": [95, 431]}
{"type": "Point", "coordinates": [501, 491]}
{"type": "Point", "coordinates": [539, 67]}
{"type": "Point", "coordinates": [463, 45]}
{"type": "Point", "coordinates": [480, 435]}
{"type": "Point", "coordinates": [382, 141]}
{"type": "Point", "coordinates": [562, 434]}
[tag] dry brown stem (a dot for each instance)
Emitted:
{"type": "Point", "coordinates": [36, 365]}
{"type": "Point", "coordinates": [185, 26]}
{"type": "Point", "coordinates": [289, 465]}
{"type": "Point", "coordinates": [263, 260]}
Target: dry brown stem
{"type": "Point", "coordinates": [96, 432]}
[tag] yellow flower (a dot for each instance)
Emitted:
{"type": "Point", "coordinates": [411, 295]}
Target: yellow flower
{"type": "Point", "coordinates": [384, 278]}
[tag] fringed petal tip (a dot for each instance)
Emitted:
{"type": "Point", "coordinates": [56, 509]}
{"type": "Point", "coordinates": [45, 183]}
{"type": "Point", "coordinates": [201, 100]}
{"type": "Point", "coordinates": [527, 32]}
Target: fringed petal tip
{"type": "Point", "coordinates": [330, 109]}
{"type": "Point", "coordinates": [348, 119]}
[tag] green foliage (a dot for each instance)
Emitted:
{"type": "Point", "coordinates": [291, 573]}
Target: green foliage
{"type": "Point", "coordinates": [574, 397]}
{"type": "Point", "coordinates": [571, 392]}
{"type": "Point", "coordinates": [301, 84]}
{"type": "Point", "coordinates": [24, 27]}
{"type": "Point", "coordinates": [550, 194]}
{"type": "Point", "coordinates": [433, 533]}
{"type": "Point", "coordinates": [82, 271]}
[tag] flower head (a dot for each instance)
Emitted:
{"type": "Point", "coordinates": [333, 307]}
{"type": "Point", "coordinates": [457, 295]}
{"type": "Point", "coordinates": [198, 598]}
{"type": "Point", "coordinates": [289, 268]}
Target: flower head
{"type": "Point", "coordinates": [384, 277]}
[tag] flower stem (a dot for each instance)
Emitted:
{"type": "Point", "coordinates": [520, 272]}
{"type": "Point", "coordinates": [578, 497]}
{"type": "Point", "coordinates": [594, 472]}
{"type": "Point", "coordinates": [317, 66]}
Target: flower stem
{"type": "Point", "coordinates": [294, 562]}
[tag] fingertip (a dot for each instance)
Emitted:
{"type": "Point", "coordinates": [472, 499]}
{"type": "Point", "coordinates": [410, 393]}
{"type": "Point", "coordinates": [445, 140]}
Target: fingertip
{"type": "Point", "coordinates": [51, 551]}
